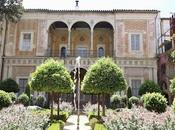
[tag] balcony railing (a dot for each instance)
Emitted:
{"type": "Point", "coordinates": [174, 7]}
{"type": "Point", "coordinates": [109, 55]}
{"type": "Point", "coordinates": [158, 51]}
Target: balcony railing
{"type": "Point", "coordinates": [75, 53]}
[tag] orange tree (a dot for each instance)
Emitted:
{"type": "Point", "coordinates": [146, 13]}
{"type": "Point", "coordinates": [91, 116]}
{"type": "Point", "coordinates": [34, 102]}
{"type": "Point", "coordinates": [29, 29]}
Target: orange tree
{"type": "Point", "coordinates": [51, 76]}
{"type": "Point", "coordinates": [104, 77]}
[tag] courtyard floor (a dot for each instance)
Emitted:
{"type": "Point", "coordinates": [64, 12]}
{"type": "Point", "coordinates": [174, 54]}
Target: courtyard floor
{"type": "Point", "coordinates": [71, 123]}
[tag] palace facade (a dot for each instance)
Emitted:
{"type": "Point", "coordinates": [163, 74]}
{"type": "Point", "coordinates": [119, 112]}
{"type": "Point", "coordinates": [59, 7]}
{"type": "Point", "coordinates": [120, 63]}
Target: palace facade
{"type": "Point", "coordinates": [128, 36]}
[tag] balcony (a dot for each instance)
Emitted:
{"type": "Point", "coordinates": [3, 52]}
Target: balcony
{"type": "Point", "coordinates": [82, 53]}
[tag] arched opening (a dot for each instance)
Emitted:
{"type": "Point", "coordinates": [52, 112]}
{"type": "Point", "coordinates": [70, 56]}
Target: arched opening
{"type": "Point", "coordinates": [100, 52]}
{"type": "Point", "coordinates": [103, 38]}
{"type": "Point", "coordinates": [57, 39]}
{"type": "Point", "coordinates": [80, 39]}
{"type": "Point", "coordinates": [63, 52]}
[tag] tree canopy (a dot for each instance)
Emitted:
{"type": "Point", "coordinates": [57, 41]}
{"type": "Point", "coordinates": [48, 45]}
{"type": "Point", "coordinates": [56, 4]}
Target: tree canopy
{"type": "Point", "coordinates": [51, 76]}
{"type": "Point", "coordinates": [11, 10]}
{"type": "Point", "coordinates": [103, 77]}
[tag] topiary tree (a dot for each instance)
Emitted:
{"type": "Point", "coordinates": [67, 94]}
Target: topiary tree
{"type": "Point", "coordinates": [149, 86]}
{"type": "Point", "coordinates": [103, 77]}
{"type": "Point", "coordinates": [154, 102]}
{"type": "Point", "coordinates": [9, 85]}
{"type": "Point", "coordinates": [5, 99]}
{"type": "Point", "coordinates": [51, 76]}
{"type": "Point", "coordinates": [23, 99]}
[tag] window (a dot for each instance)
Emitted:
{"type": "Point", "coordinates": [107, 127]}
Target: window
{"type": "Point", "coordinates": [100, 52]}
{"type": "Point", "coordinates": [26, 41]}
{"type": "Point", "coordinates": [63, 52]}
{"type": "Point", "coordinates": [22, 85]}
{"type": "Point", "coordinates": [135, 42]}
{"type": "Point", "coordinates": [135, 85]}
{"type": "Point", "coordinates": [82, 51]}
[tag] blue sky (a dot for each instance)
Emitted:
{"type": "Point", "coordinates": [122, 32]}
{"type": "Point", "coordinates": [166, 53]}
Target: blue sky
{"type": "Point", "coordinates": [165, 6]}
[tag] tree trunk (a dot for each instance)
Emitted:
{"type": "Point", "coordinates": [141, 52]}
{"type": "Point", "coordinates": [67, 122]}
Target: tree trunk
{"type": "Point", "coordinates": [51, 109]}
{"type": "Point", "coordinates": [4, 47]}
{"type": "Point", "coordinates": [103, 104]}
{"type": "Point", "coordinates": [98, 102]}
{"type": "Point", "coordinates": [58, 107]}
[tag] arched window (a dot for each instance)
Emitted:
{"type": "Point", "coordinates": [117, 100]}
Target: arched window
{"type": "Point", "coordinates": [63, 52]}
{"type": "Point", "coordinates": [100, 52]}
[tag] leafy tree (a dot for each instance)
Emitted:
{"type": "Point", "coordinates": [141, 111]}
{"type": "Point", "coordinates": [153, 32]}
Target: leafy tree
{"type": "Point", "coordinates": [9, 85]}
{"type": "Point", "coordinates": [149, 86]}
{"type": "Point", "coordinates": [52, 76]}
{"type": "Point", "coordinates": [104, 77]}
{"type": "Point", "coordinates": [10, 11]}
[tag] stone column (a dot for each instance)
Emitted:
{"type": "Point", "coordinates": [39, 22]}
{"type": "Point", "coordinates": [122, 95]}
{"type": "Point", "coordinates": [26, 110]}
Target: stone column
{"type": "Point", "coordinates": [92, 44]}
{"type": "Point", "coordinates": [69, 41]}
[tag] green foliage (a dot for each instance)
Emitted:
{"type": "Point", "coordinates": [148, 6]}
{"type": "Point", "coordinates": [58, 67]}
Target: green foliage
{"type": "Point", "coordinates": [55, 126]}
{"type": "Point", "coordinates": [51, 76]}
{"type": "Point", "coordinates": [99, 126]}
{"type": "Point", "coordinates": [173, 55]}
{"type": "Point", "coordinates": [13, 96]}
{"type": "Point", "coordinates": [5, 99]}
{"type": "Point", "coordinates": [28, 90]}
{"type": "Point", "coordinates": [103, 77]}
{"type": "Point", "coordinates": [173, 105]}
{"type": "Point", "coordinates": [129, 92]}
{"type": "Point", "coordinates": [63, 116]}
{"type": "Point", "coordinates": [40, 101]}
{"type": "Point", "coordinates": [133, 101]}
{"type": "Point", "coordinates": [24, 99]}
{"type": "Point", "coordinates": [11, 10]}
{"type": "Point", "coordinates": [155, 102]}
{"type": "Point", "coordinates": [149, 86]}
{"type": "Point", "coordinates": [9, 85]}
{"type": "Point", "coordinates": [172, 86]}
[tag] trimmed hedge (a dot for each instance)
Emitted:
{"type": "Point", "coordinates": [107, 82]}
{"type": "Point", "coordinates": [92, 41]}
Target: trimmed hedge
{"type": "Point", "coordinates": [5, 99]}
{"type": "Point", "coordinates": [149, 86]}
{"type": "Point", "coordinates": [9, 85]}
{"type": "Point", "coordinates": [13, 96]}
{"type": "Point", "coordinates": [155, 102]}
{"type": "Point", "coordinates": [133, 101]}
{"type": "Point", "coordinates": [23, 99]}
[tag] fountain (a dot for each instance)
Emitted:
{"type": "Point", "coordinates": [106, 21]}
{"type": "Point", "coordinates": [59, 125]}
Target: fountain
{"type": "Point", "coordinates": [77, 80]}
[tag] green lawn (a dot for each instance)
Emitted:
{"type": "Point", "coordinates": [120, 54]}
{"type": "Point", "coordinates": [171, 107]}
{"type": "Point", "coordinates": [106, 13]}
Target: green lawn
{"type": "Point", "coordinates": [99, 126]}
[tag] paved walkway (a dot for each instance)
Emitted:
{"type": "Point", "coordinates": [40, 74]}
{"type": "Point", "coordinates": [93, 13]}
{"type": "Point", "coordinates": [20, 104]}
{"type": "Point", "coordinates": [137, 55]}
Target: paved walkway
{"type": "Point", "coordinates": [71, 123]}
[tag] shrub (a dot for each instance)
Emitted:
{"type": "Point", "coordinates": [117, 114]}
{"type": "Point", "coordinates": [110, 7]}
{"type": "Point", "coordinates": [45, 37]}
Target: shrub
{"type": "Point", "coordinates": [5, 99]}
{"type": "Point", "coordinates": [67, 107]}
{"type": "Point", "coordinates": [24, 99]}
{"type": "Point", "coordinates": [149, 86]}
{"type": "Point", "coordinates": [93, 108]}
{"type": "Point", "coordinates": [138, 118]}
{"type": "Point", "coordinates": [173, 105]}
{"type": "Point", "coordinates": [40, 101]}
{"type": "Point", "coordinates": [118, 102]}
{"type": "Point", "coordinates": [27, 90]}
{"type": "Point", "coordinates": [18, 117]}
{"type": "Point", "coordinates": [9, 85]}
{"type": "Point", "coordinates": [115, 101]}
{"type": "Point", "coordinates": [133, 101]}
{"type": "Point", "coordinates": [155, 102]}
{"type": "Point", "coordinates": [13, 96]}
{"type": "Point", "coordinates": [129, 92]}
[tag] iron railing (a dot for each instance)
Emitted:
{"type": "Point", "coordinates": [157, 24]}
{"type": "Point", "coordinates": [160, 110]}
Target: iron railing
{"type": "Point", "coordinates": [76, 53]}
